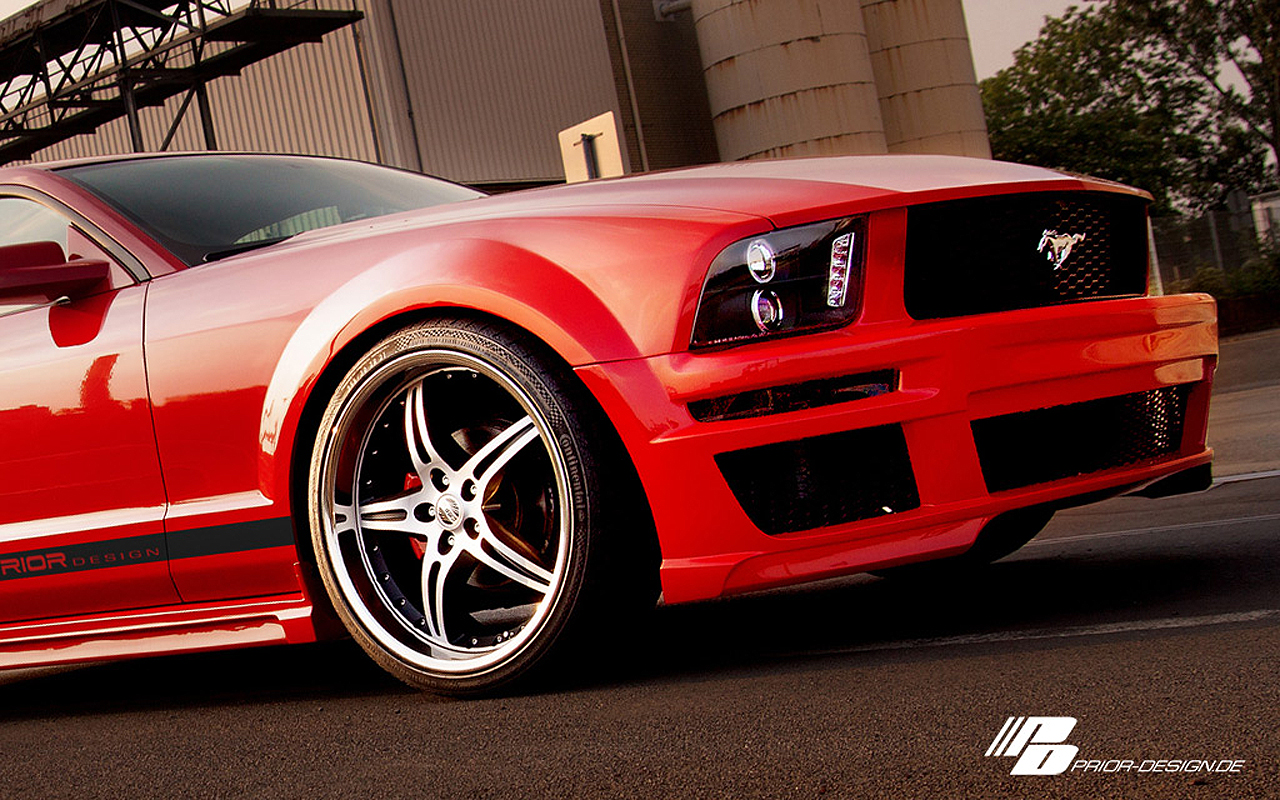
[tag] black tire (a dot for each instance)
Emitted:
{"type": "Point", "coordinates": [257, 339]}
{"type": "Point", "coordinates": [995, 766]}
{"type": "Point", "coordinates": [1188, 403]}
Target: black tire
{"type": "Point", "coordinates": [470, 509]}
{"type": "Point", "coordinates": [1000, 537]}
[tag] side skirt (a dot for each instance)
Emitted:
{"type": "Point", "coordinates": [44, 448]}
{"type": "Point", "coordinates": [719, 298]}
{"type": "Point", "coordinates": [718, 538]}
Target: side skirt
{"type": "Point", "coordinates": [159, 631]}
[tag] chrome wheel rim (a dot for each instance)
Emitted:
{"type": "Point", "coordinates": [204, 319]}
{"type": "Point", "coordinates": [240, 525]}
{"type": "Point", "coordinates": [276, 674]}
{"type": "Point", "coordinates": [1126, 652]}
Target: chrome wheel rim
{"type": "Point", "coordinates": [446, 511]}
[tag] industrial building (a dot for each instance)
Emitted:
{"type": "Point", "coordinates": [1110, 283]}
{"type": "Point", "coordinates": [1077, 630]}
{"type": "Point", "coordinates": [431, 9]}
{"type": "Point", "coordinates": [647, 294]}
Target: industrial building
{"type": "Point", "coordinates": [478, 91]}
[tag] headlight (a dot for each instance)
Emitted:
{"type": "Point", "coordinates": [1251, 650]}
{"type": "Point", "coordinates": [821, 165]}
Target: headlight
{"type": "Point", "coordinates": [788, 281]}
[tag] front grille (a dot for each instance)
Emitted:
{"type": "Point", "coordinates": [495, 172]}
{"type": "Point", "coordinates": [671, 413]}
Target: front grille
{"type": "Point", "coordinates": [1048, 444]}
{"type": "Point", "coordinates": [986, 254]}
{"type": "Point", "coordinates": [822, 481]}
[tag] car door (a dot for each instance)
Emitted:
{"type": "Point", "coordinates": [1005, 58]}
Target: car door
{"type": "Point", "coordinates": [81, 497]}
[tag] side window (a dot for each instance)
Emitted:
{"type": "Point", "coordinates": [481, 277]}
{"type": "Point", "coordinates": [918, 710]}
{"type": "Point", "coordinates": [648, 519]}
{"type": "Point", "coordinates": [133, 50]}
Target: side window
{"type": "Point", "coordinates": [33, 234]}
{"type": "Point", "coordinates": [24, 221]}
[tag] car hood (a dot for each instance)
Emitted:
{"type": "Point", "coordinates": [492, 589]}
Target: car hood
{"type": "Point", "coordinates": [779, 189]}
{"type": "Point", "coordinates": [786, 192]}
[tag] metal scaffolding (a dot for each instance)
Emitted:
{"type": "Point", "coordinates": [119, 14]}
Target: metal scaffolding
{"type": "Point", "coordinates": [70, 66]}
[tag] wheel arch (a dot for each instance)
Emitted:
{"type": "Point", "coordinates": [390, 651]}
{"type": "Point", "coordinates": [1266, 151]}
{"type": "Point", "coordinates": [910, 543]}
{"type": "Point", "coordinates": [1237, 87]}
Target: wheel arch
{"type": "Point", "coordinates": [514, 286]}
{"type": "Point", "coordinates": [306, 430]}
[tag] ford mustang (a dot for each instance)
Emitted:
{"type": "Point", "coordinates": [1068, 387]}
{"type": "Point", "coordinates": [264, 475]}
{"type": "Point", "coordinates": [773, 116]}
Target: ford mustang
{"type": "Point", "coordinates": [251, 399]}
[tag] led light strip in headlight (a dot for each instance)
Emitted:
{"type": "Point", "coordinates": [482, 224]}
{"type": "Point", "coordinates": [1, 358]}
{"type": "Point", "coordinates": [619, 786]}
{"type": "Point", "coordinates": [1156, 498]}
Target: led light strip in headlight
{"type": "Point", "coordinates": [788, 281]}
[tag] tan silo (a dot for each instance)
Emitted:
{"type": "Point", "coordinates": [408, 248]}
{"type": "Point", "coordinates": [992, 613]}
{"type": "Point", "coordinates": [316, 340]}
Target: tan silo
{"type": "Point", "coordinates": [788, 77]}
{"type": "Point", "coordinates": [923, 67]}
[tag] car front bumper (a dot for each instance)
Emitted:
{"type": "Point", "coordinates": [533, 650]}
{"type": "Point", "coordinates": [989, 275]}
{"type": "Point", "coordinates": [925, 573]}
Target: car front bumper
{"type": "Point", "coordinates": [952, 372]}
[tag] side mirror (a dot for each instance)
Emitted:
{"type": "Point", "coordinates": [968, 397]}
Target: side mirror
{"type": "Point", "coordinates": [38, 272]}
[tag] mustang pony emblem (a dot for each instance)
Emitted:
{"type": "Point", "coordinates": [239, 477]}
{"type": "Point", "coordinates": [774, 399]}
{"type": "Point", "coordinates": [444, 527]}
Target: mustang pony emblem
{"type": "Point", "coordinates": [1060, 245]}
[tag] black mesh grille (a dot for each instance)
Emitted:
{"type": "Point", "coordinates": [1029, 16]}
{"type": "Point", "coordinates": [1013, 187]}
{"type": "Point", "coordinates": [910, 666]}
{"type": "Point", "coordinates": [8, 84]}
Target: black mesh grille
{"type": "Point", "coordinates": [826, 480]}
{"type": "Point", "coordinates": [1063, 441]}
{"type": "Point", "coordinates": [988, 254]}
{"type": "Point", "coordinates": [795, 396]}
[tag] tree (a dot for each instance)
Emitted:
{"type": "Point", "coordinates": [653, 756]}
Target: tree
{"type": "Point", "coordinates": [1100, 91]}
{"type": "Point", "coordinates": [1210, 38]}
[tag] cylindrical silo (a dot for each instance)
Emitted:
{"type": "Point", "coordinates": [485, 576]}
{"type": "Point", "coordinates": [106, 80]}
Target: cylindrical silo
{"type": "Point", "coordinates": [923, 66]}
{"type": "Point", "coordinates": [788, 77]}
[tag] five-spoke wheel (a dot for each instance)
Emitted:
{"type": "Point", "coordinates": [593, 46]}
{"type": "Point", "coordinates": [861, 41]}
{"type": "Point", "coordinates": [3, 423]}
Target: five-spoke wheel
{"type": "Point", "coordinates": [453, 501]}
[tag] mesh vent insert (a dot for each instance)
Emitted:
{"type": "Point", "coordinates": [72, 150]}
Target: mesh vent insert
{"type": "Point", "coordinates": [824, 480]}
{"type": "Point", "coordinates": [1049, 444]}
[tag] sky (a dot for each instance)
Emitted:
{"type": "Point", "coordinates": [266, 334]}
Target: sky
{"type": "Point", "coordinates": [996, 27]}
{"type": "Point", "coordinates": [9, 7]}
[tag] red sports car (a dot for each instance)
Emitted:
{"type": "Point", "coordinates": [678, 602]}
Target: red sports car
{"type": "Point", "coordinates": [241, 393]}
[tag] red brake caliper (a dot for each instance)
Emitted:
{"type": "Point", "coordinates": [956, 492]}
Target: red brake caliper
{"type": "Point", "coordinates": [412, 481]}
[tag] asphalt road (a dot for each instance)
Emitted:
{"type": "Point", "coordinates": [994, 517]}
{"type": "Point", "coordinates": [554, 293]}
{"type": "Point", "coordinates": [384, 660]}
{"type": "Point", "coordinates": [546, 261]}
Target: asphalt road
{"type": "Point", "coordinates": [1156, 624]}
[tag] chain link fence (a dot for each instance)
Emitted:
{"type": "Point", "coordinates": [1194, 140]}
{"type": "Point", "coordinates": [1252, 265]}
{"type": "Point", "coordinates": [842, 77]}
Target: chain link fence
{"type": "Point", "coordinates": [1220, 240]}
{"type": "Point", "coordinates": [1224, 254]}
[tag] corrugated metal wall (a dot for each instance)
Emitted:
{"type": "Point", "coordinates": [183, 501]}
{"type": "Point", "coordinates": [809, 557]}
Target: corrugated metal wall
{"type": "Point", "coordinates": [658, 73]}
{"type": "Point", "coordinates": [305, 100]}
{"type": "Point", "coordinates": [491, 83]}
{"type": "Point", "coordinates": [386, 79]}
{"type": "Point", "coordinates": [476, 91]}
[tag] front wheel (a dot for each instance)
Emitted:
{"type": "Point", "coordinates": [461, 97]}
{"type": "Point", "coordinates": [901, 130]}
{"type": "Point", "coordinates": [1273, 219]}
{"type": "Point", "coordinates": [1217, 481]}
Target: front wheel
{"type": "Point", "coordinates": [456, 506]}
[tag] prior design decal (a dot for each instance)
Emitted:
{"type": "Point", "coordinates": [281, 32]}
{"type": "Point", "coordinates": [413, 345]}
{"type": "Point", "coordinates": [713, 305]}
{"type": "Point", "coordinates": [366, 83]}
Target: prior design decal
{"type": "Point", "coordinates": [80, 557]}
{"type": "Point", "coordinates": [132, 550]}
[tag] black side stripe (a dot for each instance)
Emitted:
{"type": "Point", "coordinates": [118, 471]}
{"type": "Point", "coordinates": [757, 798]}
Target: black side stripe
{"type": "Point", "coordinates": [235, 538]}
{"type": "Point", "coordinates": [132, 550]}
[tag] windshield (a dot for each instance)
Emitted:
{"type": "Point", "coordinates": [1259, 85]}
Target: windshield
{"type": "Point", "coordinates": [209, 206]}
